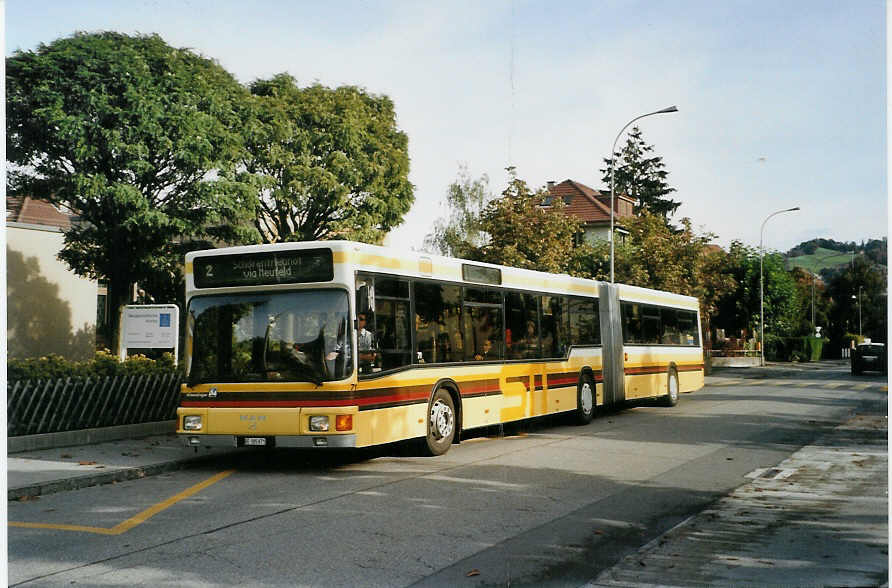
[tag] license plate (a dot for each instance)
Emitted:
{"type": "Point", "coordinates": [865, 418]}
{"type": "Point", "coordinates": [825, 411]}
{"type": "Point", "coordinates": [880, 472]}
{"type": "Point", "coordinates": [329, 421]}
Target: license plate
{"type": "Point", "coordinates": [257, 441]}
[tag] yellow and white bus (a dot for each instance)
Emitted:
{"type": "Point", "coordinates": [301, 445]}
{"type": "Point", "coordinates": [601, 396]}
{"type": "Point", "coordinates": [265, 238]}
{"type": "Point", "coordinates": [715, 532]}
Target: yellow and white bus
{"type": "Point", "coordinates": [342, 344]}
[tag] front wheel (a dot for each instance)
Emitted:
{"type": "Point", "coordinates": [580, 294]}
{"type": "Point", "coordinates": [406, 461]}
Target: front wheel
{"type": "Point", "coordinates": [440, 423]}
{"type": "Point", "coordinates": [585, 400]}
{"type": "Point", "coordinates": [671, 398]}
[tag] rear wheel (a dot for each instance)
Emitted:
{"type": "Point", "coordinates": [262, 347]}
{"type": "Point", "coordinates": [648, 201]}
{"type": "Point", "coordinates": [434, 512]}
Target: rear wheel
{"type": "Point", "coordinates": [585, 400]}
{"type": "Point", "coordinates": [671, 398]}
{"type": "Point", "coordinates": [440, 423]}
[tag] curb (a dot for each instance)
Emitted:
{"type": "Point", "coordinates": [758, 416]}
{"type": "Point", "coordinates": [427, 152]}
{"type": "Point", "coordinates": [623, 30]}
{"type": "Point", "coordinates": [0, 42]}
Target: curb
{"type": "Point", "coordinates": [88, 480]}
{"type": "Point", "coordinates": [23, 443]}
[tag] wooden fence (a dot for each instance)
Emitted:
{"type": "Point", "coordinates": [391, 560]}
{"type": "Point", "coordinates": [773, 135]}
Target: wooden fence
{"type": "Point", "coordinates": [53, 406]}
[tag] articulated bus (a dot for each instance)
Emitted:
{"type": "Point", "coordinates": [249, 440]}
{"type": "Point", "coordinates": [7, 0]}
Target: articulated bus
{"type": "Point", "coordinates": [342, 344]}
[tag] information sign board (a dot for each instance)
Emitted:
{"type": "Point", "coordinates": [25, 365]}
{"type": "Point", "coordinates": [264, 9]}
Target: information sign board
{"type": "Point", "coordinates": [152, 326]}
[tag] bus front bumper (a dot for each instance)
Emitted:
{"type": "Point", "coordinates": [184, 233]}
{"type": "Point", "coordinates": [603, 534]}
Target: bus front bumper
{"type": "Point", "coordinates": [294, 441]}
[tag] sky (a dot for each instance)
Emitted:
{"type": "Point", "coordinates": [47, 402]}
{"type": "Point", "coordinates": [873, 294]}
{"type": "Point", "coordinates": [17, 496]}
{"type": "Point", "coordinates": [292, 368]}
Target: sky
{"type": "Point", "coordinates": [780, 104]}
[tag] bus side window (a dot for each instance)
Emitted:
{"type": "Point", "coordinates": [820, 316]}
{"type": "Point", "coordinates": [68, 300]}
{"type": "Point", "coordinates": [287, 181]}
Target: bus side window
{"type": "Point", "coordinates": [584, 321]}
{"type": "Point", "coordinates": [631, 318]}
{"type": "Point", "coordinates": [482, 322]}
{"type": "Point", "coordinates": [553, 330]}
{"type": "Point", "coordinates": [392, 329]}
{"type": "Point", "coordinates": [437, 325]}
{"type": "Point", "coordinates": [671, 333]}
{"type": "Point", "coordinates": [522, 321]}
{"type": "Point", "coordinates": [651, 325]}
{"type": "Point", "coordinates": [687, 324]}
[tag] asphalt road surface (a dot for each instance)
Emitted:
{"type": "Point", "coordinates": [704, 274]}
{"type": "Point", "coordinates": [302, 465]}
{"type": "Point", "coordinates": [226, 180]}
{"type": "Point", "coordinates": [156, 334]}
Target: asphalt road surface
{"type": "Point", "coordinates": [546, 504]}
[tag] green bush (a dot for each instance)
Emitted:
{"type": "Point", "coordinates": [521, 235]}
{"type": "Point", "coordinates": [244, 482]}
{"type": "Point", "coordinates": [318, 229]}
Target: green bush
{"type": "Point", "coordinates": [793, 348]}
{"type": "Point", "coordinates": [103, 364]}
{"type": "Point", "coordinates": [814, 348]}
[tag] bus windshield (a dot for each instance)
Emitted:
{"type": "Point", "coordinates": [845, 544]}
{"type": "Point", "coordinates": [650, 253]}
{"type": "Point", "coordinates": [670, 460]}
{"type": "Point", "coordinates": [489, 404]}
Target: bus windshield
{"type": "Point", "coordinates": [296, 336]}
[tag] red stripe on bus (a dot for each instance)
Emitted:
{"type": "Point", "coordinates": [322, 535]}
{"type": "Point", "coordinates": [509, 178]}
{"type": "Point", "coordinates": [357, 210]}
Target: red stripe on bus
{"type": "Point", "coordinates": [306, 403]}
{"type": "Point", "coordinates": [660, 369]}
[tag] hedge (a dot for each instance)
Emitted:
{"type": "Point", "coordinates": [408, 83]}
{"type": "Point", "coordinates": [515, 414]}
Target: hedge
{"type": "Point", "coordinates": [103, 364]}
{"type": "Point", "coordinates": [793, 348]}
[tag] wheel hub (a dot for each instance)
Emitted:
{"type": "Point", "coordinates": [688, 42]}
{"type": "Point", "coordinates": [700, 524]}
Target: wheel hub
{"type": "Point", "coordinates": [442, 420]}
{"type": "Point", "coordinates": [587, 398]}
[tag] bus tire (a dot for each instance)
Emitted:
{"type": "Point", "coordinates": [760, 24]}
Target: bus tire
{"type": "Point", "coordinates": [441, 423]}
{"type": "Point", "coordinates": [671, 398]}
{"type": "Point", "coordinates": [586, 398]}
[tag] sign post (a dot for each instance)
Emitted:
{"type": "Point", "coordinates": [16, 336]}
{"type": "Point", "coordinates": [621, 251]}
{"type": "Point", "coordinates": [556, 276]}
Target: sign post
{"type": "Point", "coordinates": [152, 326]}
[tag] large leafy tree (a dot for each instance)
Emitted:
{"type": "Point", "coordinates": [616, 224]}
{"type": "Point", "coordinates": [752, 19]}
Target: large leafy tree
{"type": "Point", "coordinates": [520, 232]}
{"type": "Point", "coordinates": [657, 256]}
{"type": "Point", "coordinates": [138, 139]}
{"type": "Point", "coordinates": [330, 163]}
{"type": "Point", "coordinates": [523, 233]}
{"type": "Point", "coordinates": [461, 230]}
{"type": "Point", "coordinates": [641, 175]}
{"type": "Point", "coordinates": [740, 309]}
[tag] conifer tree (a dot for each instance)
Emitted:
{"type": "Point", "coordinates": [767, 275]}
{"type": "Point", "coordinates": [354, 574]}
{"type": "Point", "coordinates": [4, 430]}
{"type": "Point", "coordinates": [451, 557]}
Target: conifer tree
{"type": "Point", "coordinates": [641, 175]}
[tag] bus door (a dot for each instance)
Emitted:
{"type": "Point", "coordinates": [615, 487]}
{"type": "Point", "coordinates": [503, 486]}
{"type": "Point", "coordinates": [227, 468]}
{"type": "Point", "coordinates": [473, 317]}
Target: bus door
{"type": "Point", "coordinates": [612, 357]}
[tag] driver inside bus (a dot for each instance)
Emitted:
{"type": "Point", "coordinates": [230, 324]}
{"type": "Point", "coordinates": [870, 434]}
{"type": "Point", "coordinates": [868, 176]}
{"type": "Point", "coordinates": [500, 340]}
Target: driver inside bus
{"type": "Point", "coordinates": [365, 340]}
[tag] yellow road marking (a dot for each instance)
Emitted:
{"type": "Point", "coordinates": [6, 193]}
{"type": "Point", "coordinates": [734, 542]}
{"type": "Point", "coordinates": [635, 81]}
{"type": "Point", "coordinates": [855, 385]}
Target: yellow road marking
{"type": "Point", "coordinates": [78, 528]}
{"type": "Point", "coordinates": [134, 520]}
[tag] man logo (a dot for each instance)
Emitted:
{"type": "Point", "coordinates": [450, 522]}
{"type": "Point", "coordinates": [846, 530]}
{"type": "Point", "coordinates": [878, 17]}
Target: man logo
{"type": "Point", "coordinates": [212, 393]}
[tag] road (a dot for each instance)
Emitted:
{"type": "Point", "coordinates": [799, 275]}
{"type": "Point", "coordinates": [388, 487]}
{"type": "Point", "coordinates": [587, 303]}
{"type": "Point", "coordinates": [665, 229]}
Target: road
{"type": "Point", "coordinates": [548, 504]}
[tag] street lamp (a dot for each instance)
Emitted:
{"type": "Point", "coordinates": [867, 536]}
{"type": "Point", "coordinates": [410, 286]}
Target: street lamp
{"type": "Point", "coordinates": [860, 336]}
{"type": "Point", "coordinates": [613, 173]}
{"type": "Point", "coordinates": [762, 285]}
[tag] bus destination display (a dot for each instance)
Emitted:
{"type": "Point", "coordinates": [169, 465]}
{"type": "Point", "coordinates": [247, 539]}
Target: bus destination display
{"type": "Point", "coordinates": [254, 269]}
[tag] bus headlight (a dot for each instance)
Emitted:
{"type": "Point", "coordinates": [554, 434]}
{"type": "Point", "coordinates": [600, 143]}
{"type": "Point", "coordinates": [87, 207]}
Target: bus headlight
{"type": "Point", "coordinates": [319, 423]}
{"type": "Point", "coordinates": [192, 423]}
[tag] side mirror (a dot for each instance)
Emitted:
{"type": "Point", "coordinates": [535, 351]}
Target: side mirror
{"type": "Point", "coordinates": [363, 299]}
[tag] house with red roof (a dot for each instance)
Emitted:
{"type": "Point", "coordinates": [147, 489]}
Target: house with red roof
{"type": "Point", "coordinates": [50, 309]}
{"type": "Point", "coordinates": [592, 207]}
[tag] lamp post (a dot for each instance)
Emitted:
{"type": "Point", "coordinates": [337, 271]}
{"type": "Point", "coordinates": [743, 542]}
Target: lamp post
{"type": "Point", "coordinates": [860, 336]}
{"type": "Point", "coordinates": [814, 277]}
{"type": "Point", "coordinates": [613, 174]}
{"type": "Point", "coordinates": [762, 284]}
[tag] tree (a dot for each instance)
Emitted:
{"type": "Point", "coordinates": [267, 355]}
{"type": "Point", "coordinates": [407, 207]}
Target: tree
{"type": "Point", "coordinates": [811, 297]}
{"type": "Point", "coordinates": [862, 286]}
{"type": "Point", "coordinates": [641, 177]}
{"type": "Point", "coordinates": [740, 309]}
{"type": "Point", "coordinates": [524, 234]}
{"type": "Point", "coordinates": [139, 140]}
{"type": "Point", "coordinates": [657, 256]}
{"type": "Point", "coordinates": [461, 231]}
{"type": "Point", "coordinates": [329, 163]}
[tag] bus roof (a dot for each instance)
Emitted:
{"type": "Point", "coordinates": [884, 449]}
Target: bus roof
{"type": "Point", "coordinates": [374, 258]}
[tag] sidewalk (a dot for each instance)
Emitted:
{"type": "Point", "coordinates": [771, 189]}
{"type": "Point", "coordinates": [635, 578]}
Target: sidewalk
{"type": "Point", "coordinates": [44, 471]}
{"type": "Point", "coordinates": [819, 518]}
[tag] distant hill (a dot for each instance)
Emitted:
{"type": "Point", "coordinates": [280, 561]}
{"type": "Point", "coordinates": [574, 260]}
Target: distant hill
{"type": "Point", "coordinates": [826, 254]}
{"type": "Point", "coordinates": [821, 259]}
